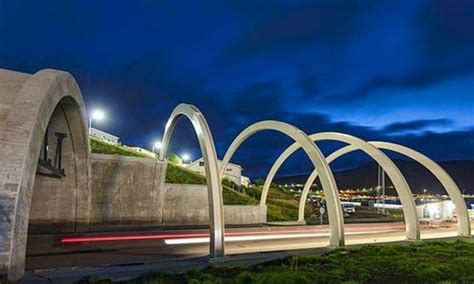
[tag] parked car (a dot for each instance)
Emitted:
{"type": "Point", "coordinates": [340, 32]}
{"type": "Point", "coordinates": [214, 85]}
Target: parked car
{"type": "Point", "coordinates": [348, 208]}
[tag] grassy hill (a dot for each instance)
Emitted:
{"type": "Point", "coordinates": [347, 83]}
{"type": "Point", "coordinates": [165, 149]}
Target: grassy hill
{"type": "Point", "coordinates": [281, 206]}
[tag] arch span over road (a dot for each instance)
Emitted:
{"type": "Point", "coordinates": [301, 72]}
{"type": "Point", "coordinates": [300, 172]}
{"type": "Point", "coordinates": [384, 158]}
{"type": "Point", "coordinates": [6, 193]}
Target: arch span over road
{"type": "Point", "coordinates": [214, 186]}
{"type": "Point", "coordinates": [464, 226]}
{"type": "Point", "coordinates": [27, 105]}
{"type": "Point", "coordinates": [401, 185]}
{"type": "Point", "coordinates": [336, 220]}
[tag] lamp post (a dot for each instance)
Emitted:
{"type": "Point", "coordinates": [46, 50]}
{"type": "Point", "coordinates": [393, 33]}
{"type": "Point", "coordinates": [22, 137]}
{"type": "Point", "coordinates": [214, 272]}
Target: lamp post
{"type": "Point", "coordinates": [97, 115]}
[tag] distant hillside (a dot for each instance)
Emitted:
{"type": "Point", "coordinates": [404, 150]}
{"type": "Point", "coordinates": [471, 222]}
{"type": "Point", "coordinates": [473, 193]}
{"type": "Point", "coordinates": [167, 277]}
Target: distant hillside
{"type": "Point", "coordinates": [417, 176]}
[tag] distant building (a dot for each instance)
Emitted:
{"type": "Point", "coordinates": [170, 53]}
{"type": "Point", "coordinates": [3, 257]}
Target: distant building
{"type": "Point", "coordinates": [440, 210]}
{"type": "Point", "coordinates": [104, 136]}
{"type": "Point", "coordinates": [232, 171]}
{"type": "Point", "coordinates": [245, 181]}
{"type": "Point", "coordinates": [141, 150]}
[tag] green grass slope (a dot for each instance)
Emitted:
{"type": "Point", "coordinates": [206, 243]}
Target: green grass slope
{"type": "Point", "coordinates": [100, 147]}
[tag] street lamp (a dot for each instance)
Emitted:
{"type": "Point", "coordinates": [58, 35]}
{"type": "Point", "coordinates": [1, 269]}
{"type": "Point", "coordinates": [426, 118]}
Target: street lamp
{"type": "Point", "coordinates": [156, 146]}
{"type": "Point", "coordinates": [97, 115]}
{"type": "Point", "coordinates": [185, 157]}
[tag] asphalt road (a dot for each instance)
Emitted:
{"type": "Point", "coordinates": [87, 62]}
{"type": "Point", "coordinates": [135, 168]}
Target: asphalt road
{"type": "Point", "coordinates": [53, 251]}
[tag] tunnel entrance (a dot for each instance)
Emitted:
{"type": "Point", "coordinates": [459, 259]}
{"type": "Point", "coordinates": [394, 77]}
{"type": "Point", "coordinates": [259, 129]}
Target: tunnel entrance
{"type": "Point", "coordinates": [57, 193]}
{"type": "Point", "coordinates": [40, 180]}
{"type": "Point", "coordinates": [60, 195]}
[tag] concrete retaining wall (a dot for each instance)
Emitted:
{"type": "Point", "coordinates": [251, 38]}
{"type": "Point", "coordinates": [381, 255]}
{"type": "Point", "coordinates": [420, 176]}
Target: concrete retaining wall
{"type": "Point", "coordinates": [128, 192]}
{"type": "Point", "coordinates": [188, 204]}
{"type": "Point", "coordinates": [125, 190]}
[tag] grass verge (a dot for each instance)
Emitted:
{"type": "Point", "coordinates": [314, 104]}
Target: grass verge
{"type": "Point", "coordinates": [420, 262]}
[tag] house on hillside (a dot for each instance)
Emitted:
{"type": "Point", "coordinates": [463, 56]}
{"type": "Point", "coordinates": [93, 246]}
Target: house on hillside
{"type": "Point", "coordinates": [141, 150]}
{"type": "Point", "coordinates": [104, 136]}
{"type": "Point", "coordinates": [232, 171]}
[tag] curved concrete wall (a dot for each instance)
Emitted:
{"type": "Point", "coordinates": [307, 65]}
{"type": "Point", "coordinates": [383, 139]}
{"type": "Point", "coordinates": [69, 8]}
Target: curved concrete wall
{"type": "Point", "coordinates": [61, 204]}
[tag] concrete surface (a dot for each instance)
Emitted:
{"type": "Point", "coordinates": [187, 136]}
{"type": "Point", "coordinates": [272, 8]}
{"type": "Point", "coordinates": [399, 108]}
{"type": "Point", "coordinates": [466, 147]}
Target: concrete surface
{"type": "Point", "coordinates": [124, 260]}
{"type": "Point", "coordinates": [27, 105]}
{"type": "Point", "coordinates": [126, 192]}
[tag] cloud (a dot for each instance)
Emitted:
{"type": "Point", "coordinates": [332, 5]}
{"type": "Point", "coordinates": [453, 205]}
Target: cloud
{"type": "Point", "coordinates": [416, 125]}
{"type": "Point", "coordinates": [142, 60]}
{"type": "Point", "coordinates": [453, 145]}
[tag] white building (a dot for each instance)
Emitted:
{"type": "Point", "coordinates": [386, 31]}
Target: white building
{"type": "Point", "coordinates": [104, 136]}
{"type": "Point", "coordinates": [245, 181]}
{"type": "Point", "coordinates": [232, 171]}
{"type": "Point", "coordinates": [441, 210]}
{"type": "Point", "coordinates": [141, 150]}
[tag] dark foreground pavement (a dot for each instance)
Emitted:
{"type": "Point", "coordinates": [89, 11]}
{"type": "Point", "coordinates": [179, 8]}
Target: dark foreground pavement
{"type": "Point", "coordinates": [49, 260]}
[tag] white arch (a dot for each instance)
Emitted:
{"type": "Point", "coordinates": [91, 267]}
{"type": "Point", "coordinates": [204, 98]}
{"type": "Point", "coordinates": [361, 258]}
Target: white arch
{"type": "Point", "coordinates": [214, 187]}
{"type": "Point", "coordinates": [464, 224]}
{"type": "Point", "coordinates": [336, 220]}
{"type": "Point", "coordinates": [401, 185]}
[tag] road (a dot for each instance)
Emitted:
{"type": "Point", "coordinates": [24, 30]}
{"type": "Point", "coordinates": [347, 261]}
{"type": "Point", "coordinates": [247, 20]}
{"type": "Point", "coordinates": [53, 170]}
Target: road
{"type": "Point", "coordinates": [53, 251]}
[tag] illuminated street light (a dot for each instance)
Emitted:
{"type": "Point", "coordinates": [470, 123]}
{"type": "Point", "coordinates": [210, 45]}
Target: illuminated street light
{"type": "Point", "coordinates": [185, 157]}
{"type": "Point", "coordinates": [97, 115]}
{"type": "Point", "coordinates": [156, 146]}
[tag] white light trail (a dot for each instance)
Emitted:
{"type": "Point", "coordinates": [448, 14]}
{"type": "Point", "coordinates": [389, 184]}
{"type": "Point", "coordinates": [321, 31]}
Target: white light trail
{"type": "Point", "coordinates": [203, 240]}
